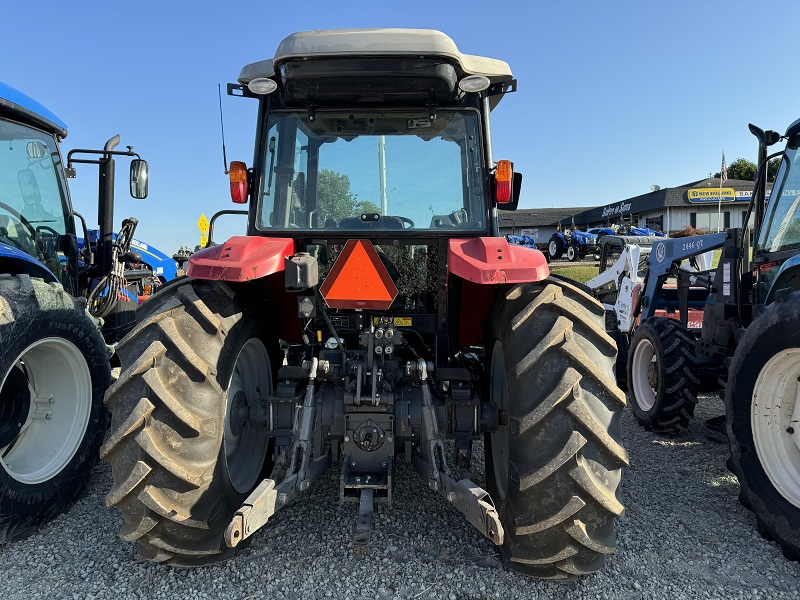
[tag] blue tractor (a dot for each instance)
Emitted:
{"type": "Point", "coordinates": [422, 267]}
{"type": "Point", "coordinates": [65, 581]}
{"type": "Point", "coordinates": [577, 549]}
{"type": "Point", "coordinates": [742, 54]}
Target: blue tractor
{"type": "Point", "coordinates": [749, 341]}
{"type": "Point", "coordinates": [58, 299]}
{"type": "Point", "coordinates": [574, 243]}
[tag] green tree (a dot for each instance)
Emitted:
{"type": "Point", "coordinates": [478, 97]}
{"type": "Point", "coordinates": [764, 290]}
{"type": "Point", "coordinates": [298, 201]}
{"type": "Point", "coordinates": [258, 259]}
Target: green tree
{"type": "Point", "coordinates": [336, 200]}
{"type": "Point", "coordinates": [742, 169]}
{"type": "Point", "coordinates": [745, 170]}
{"type": "Point", "coordinates": [365, 206]}
{"type": "Point", "coordinates": [772, 168]}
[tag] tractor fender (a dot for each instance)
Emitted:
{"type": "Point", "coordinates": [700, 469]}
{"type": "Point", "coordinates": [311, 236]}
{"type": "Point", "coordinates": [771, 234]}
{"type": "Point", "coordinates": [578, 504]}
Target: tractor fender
{"type": "Point", "coordinates": [241, 258]}
{"type": "Point", "coordinates": [492, 260]}
{"type": "Point", "coordinates": [17, 262]}
{"type": "Point", "coordinates": [788, 277]}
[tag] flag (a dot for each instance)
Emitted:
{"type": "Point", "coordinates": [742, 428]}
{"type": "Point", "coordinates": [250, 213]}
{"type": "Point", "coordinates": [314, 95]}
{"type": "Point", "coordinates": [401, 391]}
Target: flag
{"type": "Point", "coordinates": [724, 173]}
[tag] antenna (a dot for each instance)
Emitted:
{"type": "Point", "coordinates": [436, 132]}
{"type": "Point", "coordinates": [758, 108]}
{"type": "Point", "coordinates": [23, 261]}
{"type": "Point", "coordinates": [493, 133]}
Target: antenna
{"type": "Point", "coordinates": [222, 127]}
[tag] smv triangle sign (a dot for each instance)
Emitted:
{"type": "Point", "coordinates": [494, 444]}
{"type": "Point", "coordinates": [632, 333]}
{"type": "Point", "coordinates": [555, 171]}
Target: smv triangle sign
{"type": "Point", "coordinates": [358, 279]}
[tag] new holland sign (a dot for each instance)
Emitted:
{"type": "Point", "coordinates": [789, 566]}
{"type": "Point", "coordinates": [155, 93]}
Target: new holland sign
{"type": "Point", "coordinates": [713, 195]}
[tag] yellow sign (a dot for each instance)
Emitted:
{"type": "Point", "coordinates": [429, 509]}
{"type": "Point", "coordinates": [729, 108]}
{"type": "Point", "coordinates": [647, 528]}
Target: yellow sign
{"type": "Point", "coordinates": [203, 240]}
{"type": "Point", "coordinates": [711, 194]}
{"type": "Point", "coordinates": [396, 321]}
{"type": "Point", "coordinates": [202, 224]}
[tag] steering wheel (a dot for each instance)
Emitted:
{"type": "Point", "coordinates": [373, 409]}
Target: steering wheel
{"type": "Point", "coordinates": [14, 213]}
{"type": "Point", "coordinates": [407, 221]}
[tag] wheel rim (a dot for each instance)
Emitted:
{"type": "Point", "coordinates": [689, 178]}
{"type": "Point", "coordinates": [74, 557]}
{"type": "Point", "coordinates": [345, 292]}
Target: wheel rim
{"type": "Point", "coordinates": [644, 374]}
{"type": "Point", "coordinates": [500, 439]}
{"type": "Point", "coordinates": [59, 387]}
{"type": "Point", "coordinates": [571, 253]}
{"type": "Point", "coordinates": [552, 248]}
{"type": "Point", "coordinates": [245, 445]}
{"type": "Point", "coordinates": [774, 419]}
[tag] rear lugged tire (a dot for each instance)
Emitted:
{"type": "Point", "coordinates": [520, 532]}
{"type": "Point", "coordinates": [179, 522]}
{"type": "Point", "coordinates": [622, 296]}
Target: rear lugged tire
{"type": "Point", "coordinates": [663, 379]}
{"type": "Point", "coordinates": [554, 469]}
{"type": "Point", "coordinates": [760, 402]}
{"type": "Point", "coordinates": [555, 248]}
{"type": "Point", "coordinates": [49, 439]}
{"type": "Point", "coordinates": [176, 482]}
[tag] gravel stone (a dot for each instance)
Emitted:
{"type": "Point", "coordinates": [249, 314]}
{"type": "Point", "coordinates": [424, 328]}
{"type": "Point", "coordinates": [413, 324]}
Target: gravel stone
{"type": "Point", "coordinates": [684, 535]}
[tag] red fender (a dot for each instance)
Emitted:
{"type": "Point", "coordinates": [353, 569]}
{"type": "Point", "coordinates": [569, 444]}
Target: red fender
{"type": "Point", "coordinates": [241, 258]}
{"type": "Point", "coordinates": [492, 260]}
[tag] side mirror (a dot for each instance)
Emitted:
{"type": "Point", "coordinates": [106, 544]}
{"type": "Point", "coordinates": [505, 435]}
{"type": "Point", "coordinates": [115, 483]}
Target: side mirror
{"type": "Point", "coordinates": [139, 176]}
{"type": "Point", "coordinates": [36, 150]}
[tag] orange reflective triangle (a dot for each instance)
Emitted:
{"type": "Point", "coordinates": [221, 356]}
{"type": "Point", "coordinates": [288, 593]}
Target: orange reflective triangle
{"type": "Point", "coordinates": [358, 279]}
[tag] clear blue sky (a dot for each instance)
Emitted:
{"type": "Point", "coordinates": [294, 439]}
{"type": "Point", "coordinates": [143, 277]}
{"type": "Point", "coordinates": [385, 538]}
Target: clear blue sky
{"type": "Point", "coordinates": [613, 96]}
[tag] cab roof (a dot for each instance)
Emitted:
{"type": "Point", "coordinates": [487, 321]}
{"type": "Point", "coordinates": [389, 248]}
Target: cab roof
{"type": "Point", "coordinates": [16, 104]}
{"type": "Point", "coordinates": [377, 43]}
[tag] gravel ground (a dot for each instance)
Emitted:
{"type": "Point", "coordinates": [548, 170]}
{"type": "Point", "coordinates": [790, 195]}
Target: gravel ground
{"type": "Point", "coordinates": [684, 535]}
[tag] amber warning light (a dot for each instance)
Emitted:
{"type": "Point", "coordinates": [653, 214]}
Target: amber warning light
{"type": "Point", "coordinates": [238, 179]}
{"type": "Point", "coordinates": [503, 176]}
{"type": "Point", "coordinates": [358, 279]}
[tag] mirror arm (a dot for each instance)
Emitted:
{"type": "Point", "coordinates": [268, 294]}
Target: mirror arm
{"type": "Point", "coordinates": [103, 153]}
{"type": "Point", "coordinates": [88, 254]}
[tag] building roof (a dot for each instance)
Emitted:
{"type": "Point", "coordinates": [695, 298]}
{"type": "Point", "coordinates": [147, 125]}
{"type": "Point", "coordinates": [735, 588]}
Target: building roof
{"type": "Point", "coordinates": [675, 196]}
{"type": "Point", "coordinates": [672, 197]}
{"type": "Point", "coordinates": [540, 217]}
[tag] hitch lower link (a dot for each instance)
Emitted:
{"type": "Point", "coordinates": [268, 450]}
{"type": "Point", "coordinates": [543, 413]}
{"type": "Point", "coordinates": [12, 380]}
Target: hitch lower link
{"type": "Point", "coordinates": [269, 497]}
{"type": "Point", "coordinates": [470, 499]}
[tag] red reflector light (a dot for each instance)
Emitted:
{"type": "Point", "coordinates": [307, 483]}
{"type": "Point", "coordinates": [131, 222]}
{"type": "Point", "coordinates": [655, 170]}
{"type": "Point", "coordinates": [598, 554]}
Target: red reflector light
{"type": "Point", "coordinates": [238, 178]}
{"type": "Point", "coordinates": [503, 176]}
{"type": "Point", "coordinates": [767, 266]}
{"type": "Point", "coordinates": [358, 279]}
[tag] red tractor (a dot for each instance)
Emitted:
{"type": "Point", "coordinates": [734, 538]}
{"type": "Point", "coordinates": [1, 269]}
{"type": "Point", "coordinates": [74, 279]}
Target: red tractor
{"type": "Point", "coordinates": [372, 314]}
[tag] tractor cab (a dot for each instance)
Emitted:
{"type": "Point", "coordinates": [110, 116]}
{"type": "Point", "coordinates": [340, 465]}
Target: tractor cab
{"type": "Point", "coordinates": [33, 213]}
{"type": "Point", "coordinates": [365, 143]}
{"type": "Point", "coordinates": [387, 144]}
{"type": "Point", "coordinates": [34, 203]}
{"type": "Point", "coordinates": [777, 245]}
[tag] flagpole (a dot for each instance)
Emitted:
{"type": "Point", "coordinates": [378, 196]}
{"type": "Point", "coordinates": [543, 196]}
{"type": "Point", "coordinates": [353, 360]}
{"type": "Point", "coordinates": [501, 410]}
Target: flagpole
{"type": "Point", "coordinates": [723, 176]}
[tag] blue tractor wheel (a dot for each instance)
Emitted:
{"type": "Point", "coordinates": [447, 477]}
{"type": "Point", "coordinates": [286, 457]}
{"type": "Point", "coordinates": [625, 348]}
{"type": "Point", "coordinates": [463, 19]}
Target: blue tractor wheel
{"type": "Point", "coordinates": [555, 248]}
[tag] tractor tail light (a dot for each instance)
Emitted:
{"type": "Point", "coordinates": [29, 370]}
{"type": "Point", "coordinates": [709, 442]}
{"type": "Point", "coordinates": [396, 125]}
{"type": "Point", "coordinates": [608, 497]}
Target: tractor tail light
{"type": "Point", "coordinates": [238, 179]}
{"type": "Point", "coordinates": [503, 176]}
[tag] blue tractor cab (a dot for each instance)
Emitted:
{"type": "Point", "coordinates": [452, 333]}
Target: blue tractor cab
{"type": "Point", "coordinates": [38, 233]}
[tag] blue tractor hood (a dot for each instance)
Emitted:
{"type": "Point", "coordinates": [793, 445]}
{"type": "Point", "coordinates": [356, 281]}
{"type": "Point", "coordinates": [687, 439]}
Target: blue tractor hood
{"type": "Point", "coordinates": [162, 265]}
{"type": "Point", "coordinates": [583, 237]}
{"type": "Point", "coordinates": [15, 103]}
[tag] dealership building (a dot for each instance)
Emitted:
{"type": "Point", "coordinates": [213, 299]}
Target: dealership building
{"type": "Point", "coordinates": [540, 223]}
{"type": "Point", "coordinates": [696, 204]}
